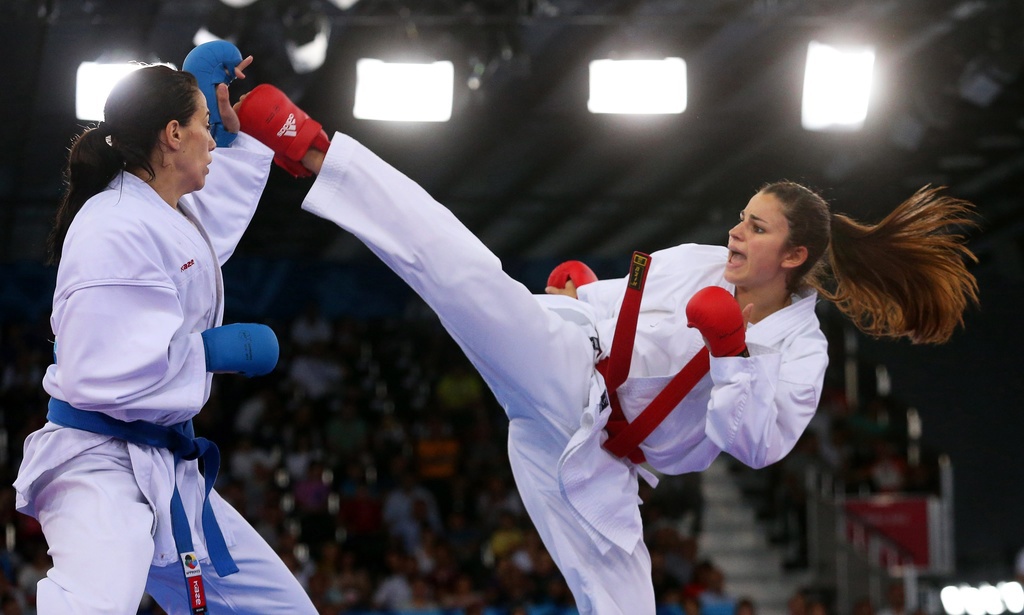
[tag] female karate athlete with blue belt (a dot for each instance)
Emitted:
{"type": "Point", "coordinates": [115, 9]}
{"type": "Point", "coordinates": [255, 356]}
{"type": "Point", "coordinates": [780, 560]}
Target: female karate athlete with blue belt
{"type": "Point", "coordinates": [151, 212]}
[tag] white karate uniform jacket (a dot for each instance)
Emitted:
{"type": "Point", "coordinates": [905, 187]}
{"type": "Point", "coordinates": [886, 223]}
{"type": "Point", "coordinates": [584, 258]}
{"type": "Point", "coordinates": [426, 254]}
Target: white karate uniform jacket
{"type": "Point", "coordinates": [752, 408]}
{"type": "Point", "coordinates": [138, 283]}
{"type": "Point", "coordinates": [535, 353]}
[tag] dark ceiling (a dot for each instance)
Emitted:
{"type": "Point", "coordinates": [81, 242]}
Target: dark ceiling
{"type": "Point", "coordinates": [522, 162]}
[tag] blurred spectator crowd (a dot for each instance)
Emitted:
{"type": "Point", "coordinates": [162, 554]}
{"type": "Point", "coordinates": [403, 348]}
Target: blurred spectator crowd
{"type": "Point", "coordinates": [373, 460]}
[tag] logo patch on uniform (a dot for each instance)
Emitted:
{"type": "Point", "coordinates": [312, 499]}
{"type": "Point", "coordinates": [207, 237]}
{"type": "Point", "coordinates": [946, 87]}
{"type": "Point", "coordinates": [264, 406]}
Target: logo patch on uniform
{"type": "Point", "coordinates": [191, 564]}
{"type": "Point", "coordinates": [188, 264]}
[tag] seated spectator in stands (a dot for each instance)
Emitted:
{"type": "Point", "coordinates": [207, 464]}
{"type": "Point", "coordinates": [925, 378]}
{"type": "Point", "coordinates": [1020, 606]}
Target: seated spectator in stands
{"type": "Point", "coordinates": [353, 583]}
{"type": "Point", "coordinates": [253, 469]}
{"type": "Point", "coordinates": [817, 607]}
{"type": "Point", "coordinates": [700, 580]}
{"type": "Point", "coordinates": [316, 373]}
{"type": "Point", "coordinates": [664, 583]}
{"type": "Point", "coordinates": [509, 584]}
{"type": "Point", "coordinates": [311, 491]}
{"type": "Point", "coordinates": [745, 606]}
{"type": "Point", "coordinates": [408, 509]}
{"type": "Point", "coordinates": [691, 606]}
{"type": "Point", "coordinates": [437, 458]}
{"type": "Point", "coordinates": [302, 452]}
{"type": "Point", "coordinates": [345, 433]}
{"type": "Point", "coordinates": [797, 603]}
{"type": "Point", "coordinates": [256, 413]}
{"type": "Point", "coordinates": [311, 327]}
{"type": "Point", "coordinates": [361, 516]}
{"type": "Point", "coordinates": [459, 390]}
{"type": "Point", "coordinates": [550, 584]}
{"type": "Point", "coordinates": [680, 552]}
{"type": "Point", "coordinates": [462, 594]}
{"type": "Point", "coordinates": [507, 537]}
{"type": "Point", "coordinates": [715, 600]}
{"type": "Point", "coordinates": [895, 600]}
{"type": "Point", "coordinates": [323, 591]}
{"type": "Point", "coordinates": [529, 552]}
{"type": "Point", "coordinates": [30, 573]}
{"type": "Point", "coordinates": [395, 591]}
{"type": "Point", "coordinates": [14, 601]}
{"type": "Point", "coordinates": [464, 538]}
{"type": "Point", "coordinates": [389, 439]}
{"type": "Point", "coordinates": [497, 498]}
{"type": "Point", "coordinates": [888, 470]}
{"type": "Point", "coordinates": [422, 600]}
{"type": "Point", "coordinates": [863, 606]}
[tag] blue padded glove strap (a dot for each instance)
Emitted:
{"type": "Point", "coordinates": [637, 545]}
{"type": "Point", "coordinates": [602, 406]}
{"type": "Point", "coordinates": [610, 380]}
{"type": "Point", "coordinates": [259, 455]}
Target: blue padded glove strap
{"type": "Point", "coordinates": [213, 63]}
{"type": "Point", "coordinates": [246, 348]}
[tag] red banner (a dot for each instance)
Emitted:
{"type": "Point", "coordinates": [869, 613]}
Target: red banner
{"type": "Point", "coordinates": [902, 521]}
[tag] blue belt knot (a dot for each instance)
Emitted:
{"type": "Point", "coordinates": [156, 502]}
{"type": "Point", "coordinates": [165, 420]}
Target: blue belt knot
{"type": "Point", "coordinates": [181, 440]}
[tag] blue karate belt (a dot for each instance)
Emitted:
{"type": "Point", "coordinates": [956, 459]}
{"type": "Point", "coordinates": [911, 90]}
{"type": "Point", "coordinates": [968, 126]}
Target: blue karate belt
{"type": "Point", "coordinates": [181, 440]}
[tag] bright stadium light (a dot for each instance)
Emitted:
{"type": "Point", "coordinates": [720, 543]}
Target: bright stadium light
{"type": "Point", "coordinates": [992, 600]}
{"type": "Point", "coordinates": [952, 601]}
{"type": "Point", "coordinates": [638, 86]}
{"type": "Point", "coordinates": [1013, 596]}
{"type": "Point", "coordinates": [404, 92]}
{"type": "Point", "coordinates": [837, 86]}
{"type": "Point", "coordinates": [974, 603]}
{"type": "Point", "coordinates": [94, 82]}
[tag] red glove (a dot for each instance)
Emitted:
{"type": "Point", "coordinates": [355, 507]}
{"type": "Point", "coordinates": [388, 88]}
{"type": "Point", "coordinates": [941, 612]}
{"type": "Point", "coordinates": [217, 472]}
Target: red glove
{"type": "Point", "coordinates": [267, 114]}
{"type": "Point", "coordinates": [576, 271]}
{"type": "Point", "coordinates": [716, 314]}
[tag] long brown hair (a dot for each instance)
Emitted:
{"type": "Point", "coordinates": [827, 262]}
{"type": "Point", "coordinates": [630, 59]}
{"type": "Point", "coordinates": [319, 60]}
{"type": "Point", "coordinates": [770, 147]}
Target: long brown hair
{"type": "Point", "coordinates": [906, 276]}
{"type": "Point", "coordinates": [136, 110]}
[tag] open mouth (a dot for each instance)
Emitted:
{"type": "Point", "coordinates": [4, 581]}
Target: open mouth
{"type": "Point", "coordinates": [736, 257]}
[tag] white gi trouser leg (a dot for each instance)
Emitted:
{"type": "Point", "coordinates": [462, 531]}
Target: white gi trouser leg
{"type": "Point", "coordinates": [538, 365]}
{"type": "Point", "coordinates": [99, 526]}
{"type": "Point", "coordinates": [262, 585]}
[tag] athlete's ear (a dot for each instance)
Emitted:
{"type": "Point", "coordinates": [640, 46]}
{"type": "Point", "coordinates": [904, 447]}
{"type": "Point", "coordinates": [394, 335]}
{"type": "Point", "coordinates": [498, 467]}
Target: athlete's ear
{"type": "Point", "coordinates": [794, 257]}
{"type": "Point", "coordinates": [170, 136]}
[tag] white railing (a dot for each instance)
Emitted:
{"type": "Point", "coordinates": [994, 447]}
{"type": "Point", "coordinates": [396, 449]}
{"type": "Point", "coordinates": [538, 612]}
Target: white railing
{"type": "Point", "coordinates": [854, 556]}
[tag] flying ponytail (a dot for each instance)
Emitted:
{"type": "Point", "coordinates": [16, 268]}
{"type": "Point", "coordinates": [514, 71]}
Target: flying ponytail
{"type": "Point", "coordinates": [906, 276]}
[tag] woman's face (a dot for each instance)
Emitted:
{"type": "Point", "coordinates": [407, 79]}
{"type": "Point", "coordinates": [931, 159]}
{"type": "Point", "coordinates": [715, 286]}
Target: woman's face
{"type": "Point", "coordinates": [197, 143]}
{"type": "Point", "coordinates": [758, 254]}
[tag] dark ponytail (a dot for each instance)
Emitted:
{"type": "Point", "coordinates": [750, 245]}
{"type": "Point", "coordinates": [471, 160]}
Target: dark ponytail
{"type": "Point", "coordinates": [92, 164]}
{"type": "Point", "coordinates": [903, 277]}
{"type": "Point", "coordinates": [137, 109]}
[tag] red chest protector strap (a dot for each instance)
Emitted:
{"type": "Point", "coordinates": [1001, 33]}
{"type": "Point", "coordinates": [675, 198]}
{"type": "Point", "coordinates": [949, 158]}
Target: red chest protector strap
{"type": "Point", "coordinates": [624, 438]}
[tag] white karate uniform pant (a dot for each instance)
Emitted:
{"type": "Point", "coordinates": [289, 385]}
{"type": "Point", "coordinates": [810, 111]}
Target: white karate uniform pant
{"type": "Point", "coordinates": [538, 365]}
{"type": "Point", "coordinates": [99, 527]}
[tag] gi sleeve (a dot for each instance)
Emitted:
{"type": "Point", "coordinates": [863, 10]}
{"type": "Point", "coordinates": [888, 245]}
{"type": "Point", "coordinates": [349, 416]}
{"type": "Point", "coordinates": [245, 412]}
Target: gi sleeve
{"type": "Point", "coordinates": [760, 405]}
{"type": "Point", "coordinates": [227, 203]}
{"type": "Point", "coordinates": [605, 296]}
{"type": "Point", "coordinates": [121, 348]}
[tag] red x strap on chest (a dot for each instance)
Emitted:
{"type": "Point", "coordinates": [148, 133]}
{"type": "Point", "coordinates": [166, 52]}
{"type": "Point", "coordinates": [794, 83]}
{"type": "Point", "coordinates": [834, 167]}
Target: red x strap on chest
{"type": "Point", "coordinates": [624, 437]}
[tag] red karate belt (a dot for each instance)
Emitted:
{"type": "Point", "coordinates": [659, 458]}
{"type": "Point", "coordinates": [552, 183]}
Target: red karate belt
{"type": "Point", "coordinates": [624, 438]}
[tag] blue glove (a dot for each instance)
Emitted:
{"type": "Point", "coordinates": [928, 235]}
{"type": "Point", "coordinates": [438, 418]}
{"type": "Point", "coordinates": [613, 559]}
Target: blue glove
{"type": "Point", "coordinates": [213, 63]}
{"type": "Point", "coordinates": [245, 348]}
